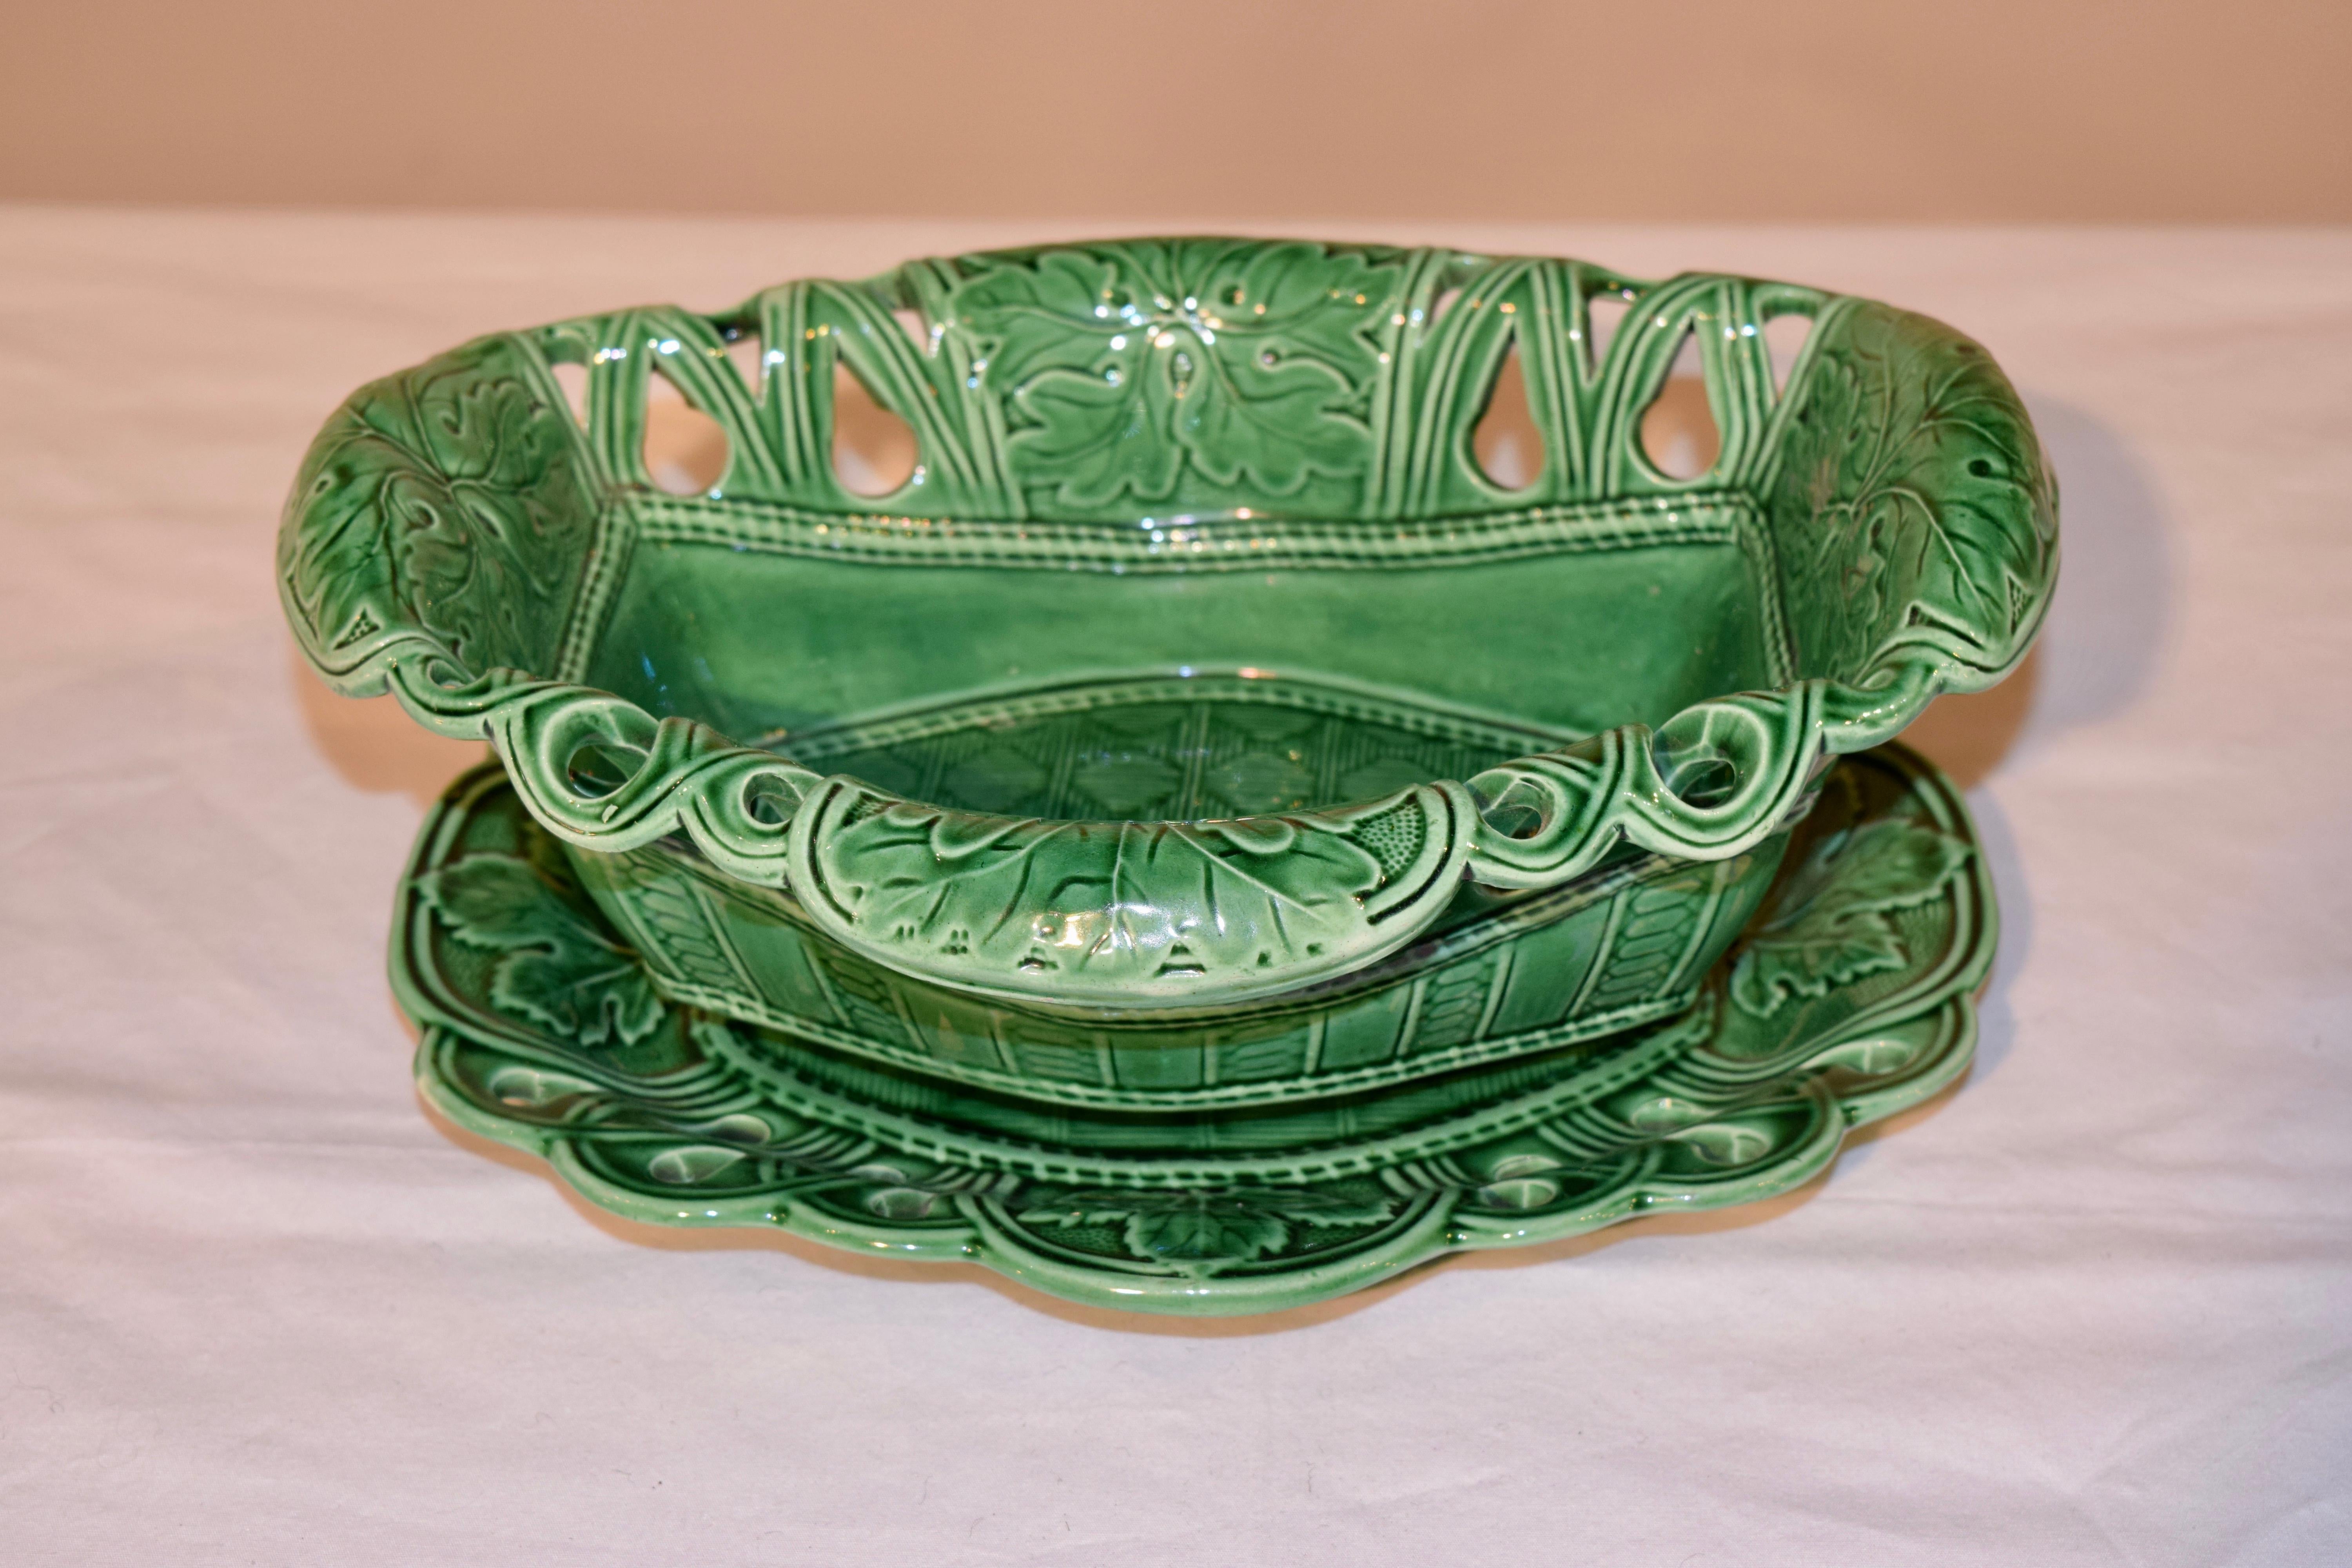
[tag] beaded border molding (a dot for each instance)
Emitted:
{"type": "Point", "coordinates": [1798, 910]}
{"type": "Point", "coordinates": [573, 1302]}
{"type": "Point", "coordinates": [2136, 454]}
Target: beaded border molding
{"type": "Point", "coordinates": [456, 536]}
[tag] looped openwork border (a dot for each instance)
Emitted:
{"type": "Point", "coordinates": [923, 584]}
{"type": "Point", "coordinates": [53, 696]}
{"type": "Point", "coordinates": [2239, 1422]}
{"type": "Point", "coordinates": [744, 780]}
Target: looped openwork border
{"type": "Point", "coordinates": [1713, 781]}
{"type": "Point", "coordinates": [648, 777]}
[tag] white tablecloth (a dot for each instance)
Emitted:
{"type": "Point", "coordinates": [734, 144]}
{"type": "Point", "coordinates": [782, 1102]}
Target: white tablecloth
{"type": "Point", "coordinates": [255, 1308]}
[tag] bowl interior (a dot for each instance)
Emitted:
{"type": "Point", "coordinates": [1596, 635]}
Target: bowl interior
{"type": "Point", "coordinates": [1176, 527]}
{"type": "Point", "coordinates": [778, 646]}
{"type": "Point", "coordinates": [1206, 746]}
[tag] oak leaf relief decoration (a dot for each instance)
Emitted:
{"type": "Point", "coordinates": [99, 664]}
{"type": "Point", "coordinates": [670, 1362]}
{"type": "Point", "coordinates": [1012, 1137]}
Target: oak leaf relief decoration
{"type": "Point", "coordinates": [1913, 497]}
{"type": "Point", "coordinates": [1203, 1229]}
{"type": "Point", "coordinates": [452, 499]}
{"type": "Point", "coordinates": [1159, 369]}
{"type": "Point", "coordinates": [1830, 926]}
{"type": "Point", "coordinates": [557, 967]}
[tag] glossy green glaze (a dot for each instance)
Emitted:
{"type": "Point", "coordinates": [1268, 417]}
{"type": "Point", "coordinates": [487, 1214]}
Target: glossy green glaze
{"type": "Point", "coordinates": [1495, 979]}
{"type": "Point", "coordinates": [1848, 999]}
{"type": "Point", "coordinates": [1498, 976]}
{"type": "Point", "coordinates": [1244, 468]}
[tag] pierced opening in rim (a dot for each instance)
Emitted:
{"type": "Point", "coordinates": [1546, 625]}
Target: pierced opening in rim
{"type": "Point", "coordinates": [769, 801]}
{"type": "Point", "coordinates": [598, 768]}
{"type": "Point", "coordinates": [1506, 441]}
{"type": "Point", "coordinates": [1512, 806]}
{"type": "Point", "coordinates": [1703, 782]}
{"type": "Point", "coordinates": [747, 353]}
{"type": "Point", "coordinates": [1604, 312]}
{"type": "Point", "coordinates": [573, 379]}
{"type": "Point", "coordinates": [917, 328]}
{"type": "Point", "coordinates": [1679, 435]}
{"type": "Point", "coordinates": [1698, 757]}
{"type": "Point", "coordinates": [685, 449]}
{"type": "Point", "coordinates": [873, 450]}
{"type": "Point", "coordinates": [1784, 339]}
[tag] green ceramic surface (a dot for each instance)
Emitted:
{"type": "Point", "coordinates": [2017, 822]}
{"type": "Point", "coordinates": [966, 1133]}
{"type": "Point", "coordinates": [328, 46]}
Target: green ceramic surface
{"type": "Point", "coordinates": [1847, 998]}
{"type": "Point", "coordinates": [1502, 975]}
{"type": "Point", "coordinates": [1244, 470]}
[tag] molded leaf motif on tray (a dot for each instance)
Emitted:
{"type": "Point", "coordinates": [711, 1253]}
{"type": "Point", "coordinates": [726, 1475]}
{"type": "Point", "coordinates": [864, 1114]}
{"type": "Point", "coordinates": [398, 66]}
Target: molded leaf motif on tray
{"type": "Point", "coordinates": [558, 970]}
{"type": "Point", "coordinates": [1204, 1230]}
{"type": "Point", "coordinates": [1133, 365]}
{"type": "Point", "coordinates": [1832, 925]}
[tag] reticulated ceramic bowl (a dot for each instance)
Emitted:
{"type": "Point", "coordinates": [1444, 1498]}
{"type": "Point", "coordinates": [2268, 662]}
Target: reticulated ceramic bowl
{"type": "Point", "coordinates": [1199, 719]}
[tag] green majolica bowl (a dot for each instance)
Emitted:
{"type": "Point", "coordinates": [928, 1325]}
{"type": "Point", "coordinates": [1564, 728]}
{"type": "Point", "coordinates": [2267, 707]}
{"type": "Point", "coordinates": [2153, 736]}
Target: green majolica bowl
{"type": "Point", "coordinates": [1201, 719]}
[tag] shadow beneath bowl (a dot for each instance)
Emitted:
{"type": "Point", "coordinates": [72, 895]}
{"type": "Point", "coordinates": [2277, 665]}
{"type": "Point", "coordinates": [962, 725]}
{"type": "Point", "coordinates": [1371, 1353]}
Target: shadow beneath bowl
{"type": "Point", "coordinates": [2112, 613]}
{"type": "Point", "coordinates": [1996, 1020]}
{"type": "Point", "coordinates": [2098, 650]}
{"type": "Point", "coordinates": [373, 744]}
{"type": "Point", "coordinates": [1966, 734]}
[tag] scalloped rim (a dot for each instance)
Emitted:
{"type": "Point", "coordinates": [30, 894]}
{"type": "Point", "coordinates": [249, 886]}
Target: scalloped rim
{"type": "Point", "coordinates": [1427, 1230]}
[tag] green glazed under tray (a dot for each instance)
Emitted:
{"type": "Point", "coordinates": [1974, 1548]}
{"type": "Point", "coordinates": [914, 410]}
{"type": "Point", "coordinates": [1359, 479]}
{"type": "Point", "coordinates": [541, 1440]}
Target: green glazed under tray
{"type": "Point", "coordinates": [1243, 467]}
{"type": "Point", "coordinates": [1847, 999]}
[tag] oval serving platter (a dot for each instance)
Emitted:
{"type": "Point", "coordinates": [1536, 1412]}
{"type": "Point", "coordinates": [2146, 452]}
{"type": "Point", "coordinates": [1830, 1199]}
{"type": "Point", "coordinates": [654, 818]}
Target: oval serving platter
{"type": "Point", "coordinates": [1849, 999]}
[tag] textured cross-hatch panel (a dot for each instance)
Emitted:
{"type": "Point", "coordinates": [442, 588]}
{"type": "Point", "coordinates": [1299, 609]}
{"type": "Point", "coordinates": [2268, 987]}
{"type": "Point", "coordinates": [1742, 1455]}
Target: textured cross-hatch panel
{"type": "Point", "coordinates": [1166, 751]}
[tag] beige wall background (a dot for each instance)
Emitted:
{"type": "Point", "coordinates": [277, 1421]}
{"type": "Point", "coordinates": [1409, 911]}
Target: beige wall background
{"type": "Point", "coordinates": [2013, 109]}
